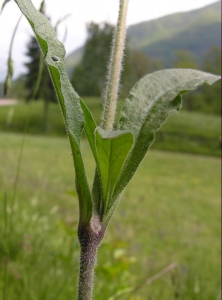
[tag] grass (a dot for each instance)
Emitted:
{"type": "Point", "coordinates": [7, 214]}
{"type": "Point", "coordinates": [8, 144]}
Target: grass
{"type": "Point", "coordinates": [185, 132]}
{"type": "Point", "coordinates": [192, 133]}
{"type": "Point", "coordinates": [13, 118]}
{"type": "Point", "coordinates": [169, 213]}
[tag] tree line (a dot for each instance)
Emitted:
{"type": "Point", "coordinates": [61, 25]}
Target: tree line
{"type": "Point", "coordinates": [89, 76]}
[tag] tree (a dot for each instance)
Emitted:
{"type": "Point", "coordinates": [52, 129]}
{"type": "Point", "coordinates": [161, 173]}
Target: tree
{"type": "Point", "coordinates": [204, 99]}
{"type": "Point", "coordinates": [212, 60]}
{"type": "Point", "coordinates": [136, 66]}
{"type": "Point", "coordinates": [46, 92]}
{"type": "Point", "coordinates": [211, 97]}
{"type": "Point", "coordinates": [89, 76]}
{"type": "Point", "coordinates": [184, 60]}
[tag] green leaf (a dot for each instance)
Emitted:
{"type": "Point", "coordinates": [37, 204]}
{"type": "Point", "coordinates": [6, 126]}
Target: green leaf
{"type": "Point", "coordinates": [54, 54]}
{"type": "Point", "coordinates": [112, 149]}
{"type": "Point", "coordinates": [90, 128]}
{"type": "Point", "coordinates": [150, 102]}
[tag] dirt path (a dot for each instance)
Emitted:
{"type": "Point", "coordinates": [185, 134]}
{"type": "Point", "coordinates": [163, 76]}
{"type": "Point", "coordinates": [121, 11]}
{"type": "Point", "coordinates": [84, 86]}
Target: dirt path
{"type": "Point", "coordinates": [4, 102]}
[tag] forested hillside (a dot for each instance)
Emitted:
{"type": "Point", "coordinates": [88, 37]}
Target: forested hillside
{"type": "Point", "coordinates": [195, 31]}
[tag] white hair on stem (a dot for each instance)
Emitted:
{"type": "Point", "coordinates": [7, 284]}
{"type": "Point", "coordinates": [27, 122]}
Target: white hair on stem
{"type": "Point", "coordinates": [114, 68]}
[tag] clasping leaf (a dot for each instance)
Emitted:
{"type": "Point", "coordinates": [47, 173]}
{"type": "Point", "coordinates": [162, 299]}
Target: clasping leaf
{"type": "Point", "coordinates": [112, 150]}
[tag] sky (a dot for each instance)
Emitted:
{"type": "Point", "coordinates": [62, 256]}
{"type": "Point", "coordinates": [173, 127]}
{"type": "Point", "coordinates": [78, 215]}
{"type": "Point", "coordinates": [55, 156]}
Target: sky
{"type": "Point", "coordinates": [81, 12]}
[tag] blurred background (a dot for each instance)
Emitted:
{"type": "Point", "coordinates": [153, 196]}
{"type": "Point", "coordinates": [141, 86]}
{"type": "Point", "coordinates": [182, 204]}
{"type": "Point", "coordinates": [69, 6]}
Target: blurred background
{"type": "Point", "coordinates": [170, 213]}
{"type": "Point", "coordinates": [188, 39]}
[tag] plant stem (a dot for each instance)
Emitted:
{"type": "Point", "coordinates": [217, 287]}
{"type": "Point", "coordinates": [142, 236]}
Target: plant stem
{"type": "Point", "coordinates": [114, 68]}
{"type": "Point", "coordinates": [90, 237]}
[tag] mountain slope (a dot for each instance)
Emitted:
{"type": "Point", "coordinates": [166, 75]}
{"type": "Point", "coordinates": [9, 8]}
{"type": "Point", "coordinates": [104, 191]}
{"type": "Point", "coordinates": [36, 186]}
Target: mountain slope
{"type": "Point", "coordinates": [197, 41]}
{"type": "Point", "coordinates": [147, 33]}
{"type": "Point", "coordinates": [195, 31]}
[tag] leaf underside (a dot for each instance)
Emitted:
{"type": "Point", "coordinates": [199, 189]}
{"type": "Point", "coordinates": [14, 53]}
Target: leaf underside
{"type": "Point", "coordinates": [150, 102]}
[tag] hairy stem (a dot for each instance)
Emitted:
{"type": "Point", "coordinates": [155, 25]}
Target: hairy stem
{"type": "Point", "coordinates": [90, 237]}
{"type": "Point", "coordinates": [114, 68]}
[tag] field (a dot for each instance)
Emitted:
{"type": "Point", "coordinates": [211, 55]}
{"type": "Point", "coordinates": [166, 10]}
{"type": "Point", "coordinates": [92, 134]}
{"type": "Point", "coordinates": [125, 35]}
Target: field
{"type": "Point", "coordinates": [184, 132]}
{"type": "Point", "coordinates": [170, 213]}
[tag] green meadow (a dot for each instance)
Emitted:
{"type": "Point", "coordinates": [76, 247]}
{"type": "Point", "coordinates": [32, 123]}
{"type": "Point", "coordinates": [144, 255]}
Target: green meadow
{"type": "Point", "coordinates": [171, 214]}
{"type": "Point", "coordinates": [187, 132]}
